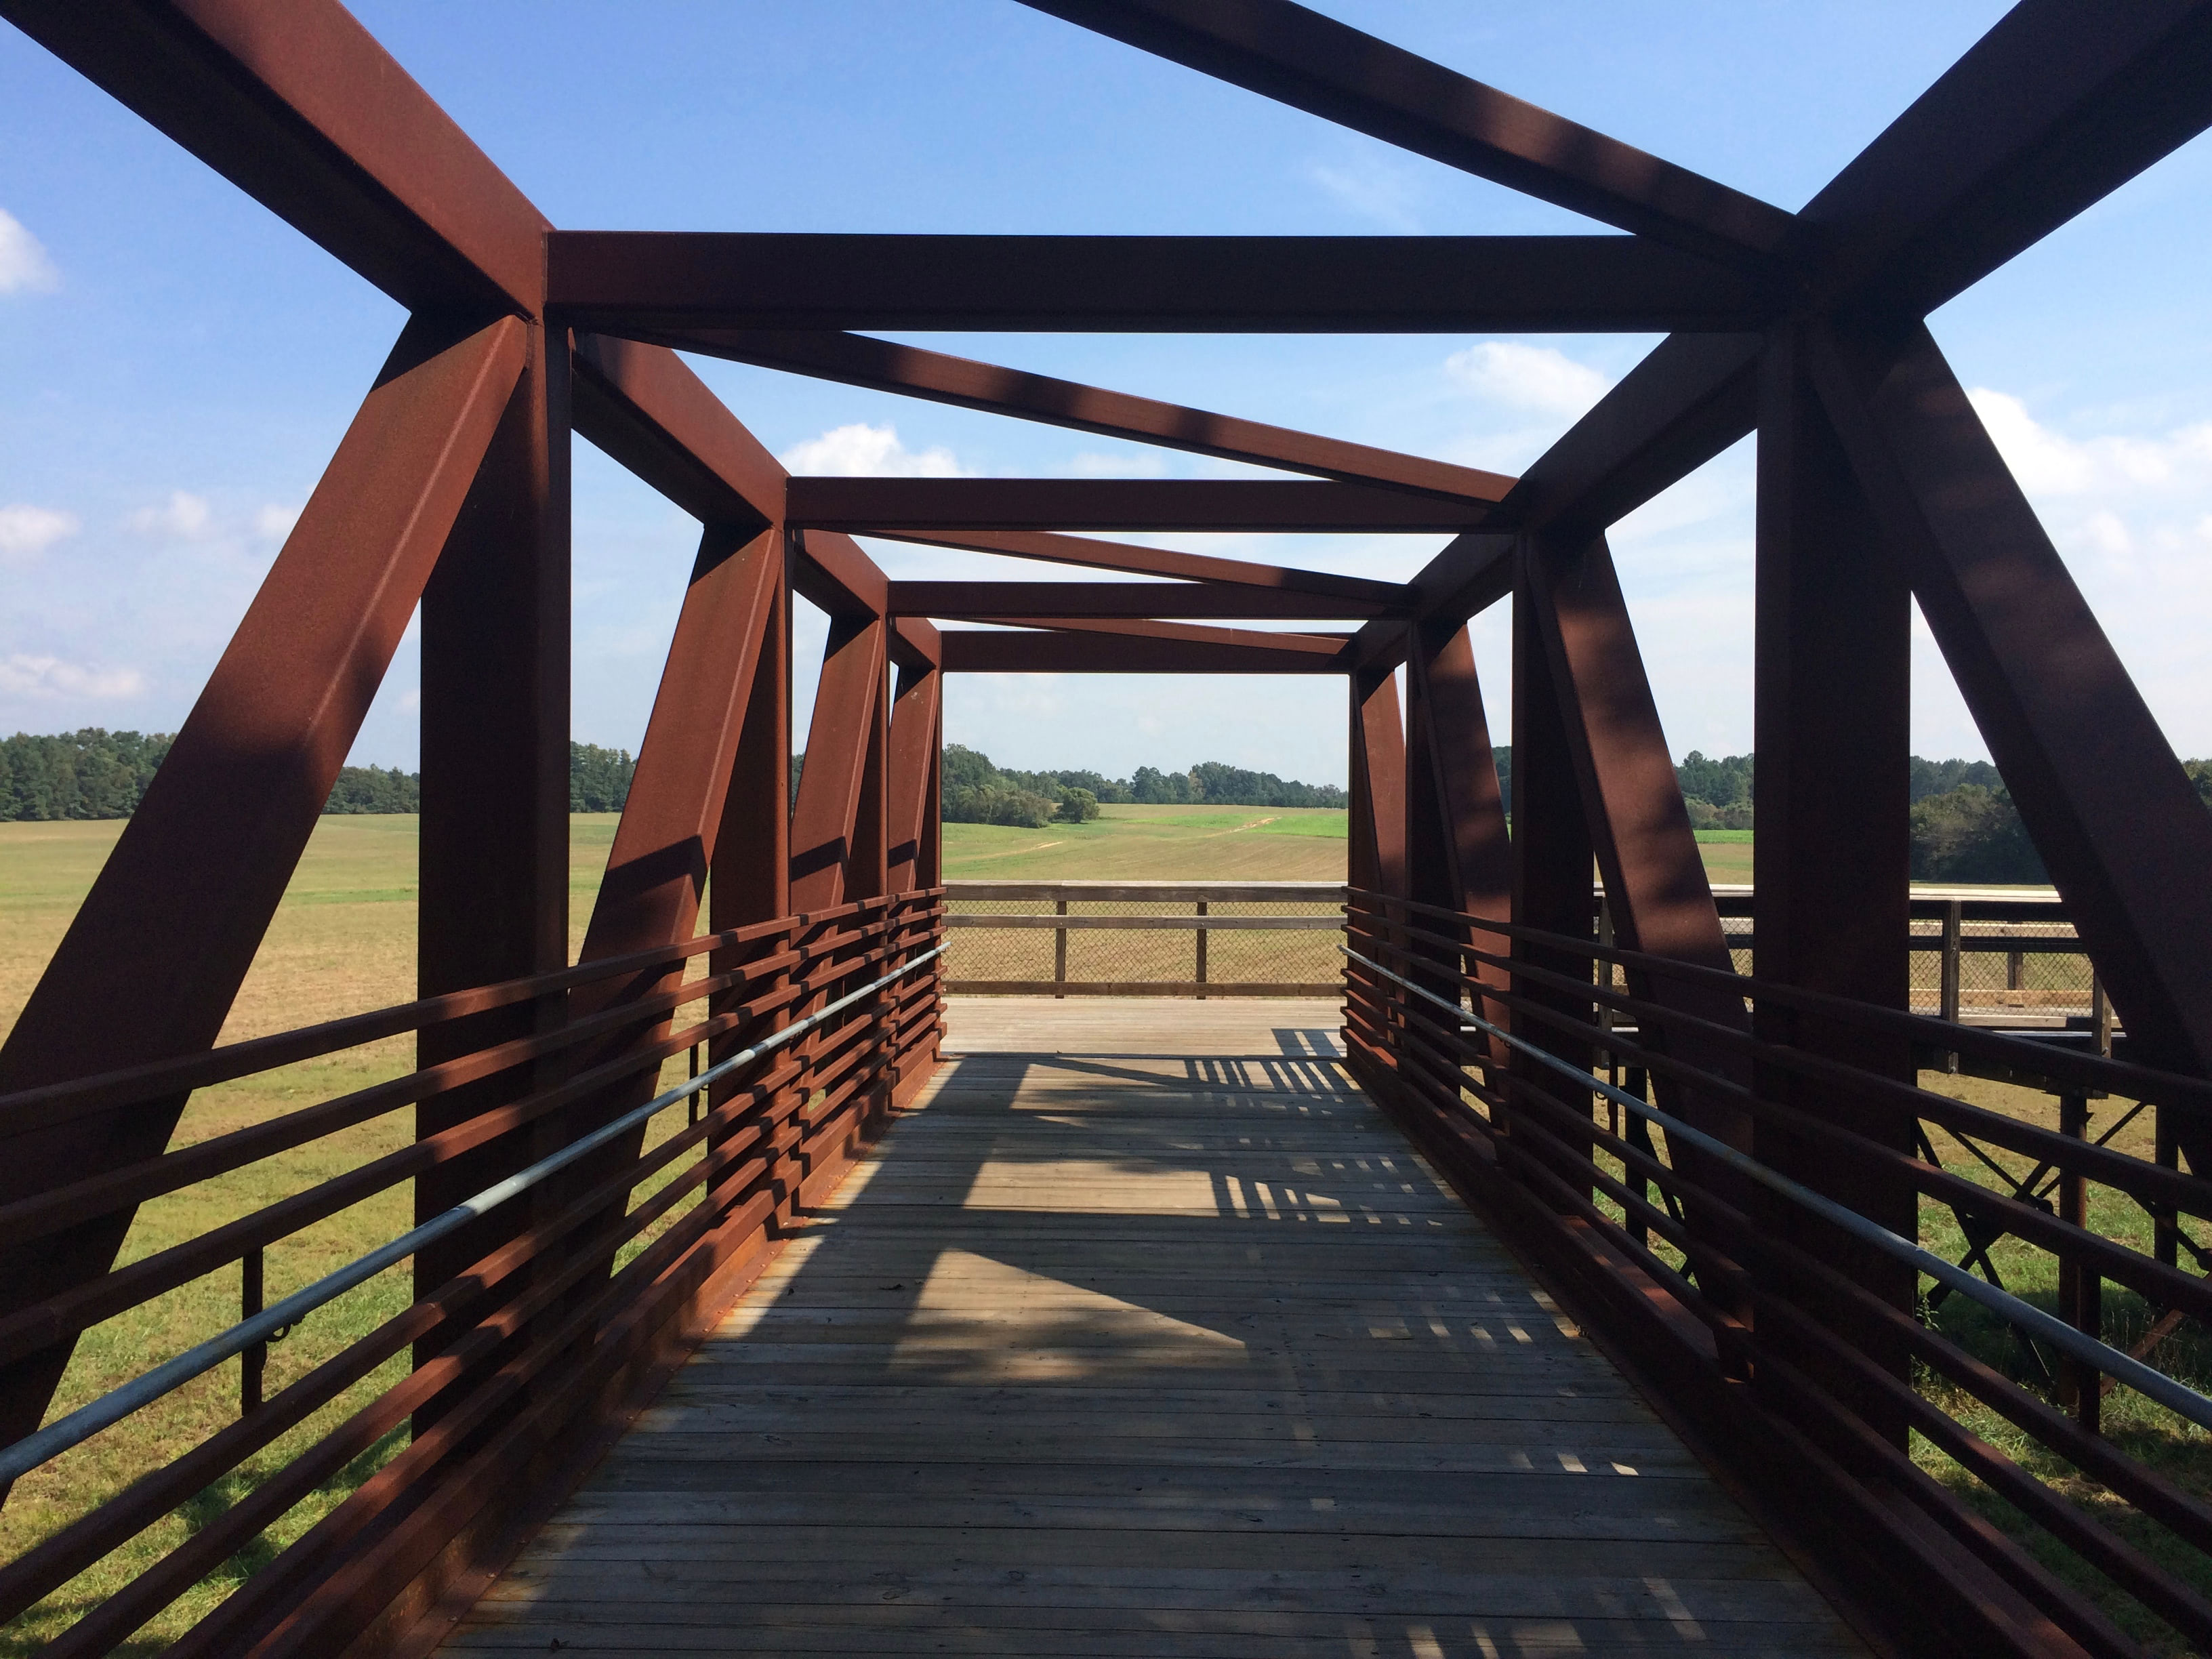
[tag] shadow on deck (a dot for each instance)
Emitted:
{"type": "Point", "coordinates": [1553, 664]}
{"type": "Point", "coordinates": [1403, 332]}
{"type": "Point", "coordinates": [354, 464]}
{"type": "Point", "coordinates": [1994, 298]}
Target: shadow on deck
{"type": "Point", "coordinates": [1144, 1333]}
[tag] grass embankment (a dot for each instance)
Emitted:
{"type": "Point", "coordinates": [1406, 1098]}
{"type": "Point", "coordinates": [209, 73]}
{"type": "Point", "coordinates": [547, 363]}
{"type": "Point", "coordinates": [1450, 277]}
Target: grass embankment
{"type": "Point", "coordinates": [1151, 843]}
{"type": "Point", "coordinates": [342, 942]}
{"type": "Point", "coordinates": [2174, 1448]}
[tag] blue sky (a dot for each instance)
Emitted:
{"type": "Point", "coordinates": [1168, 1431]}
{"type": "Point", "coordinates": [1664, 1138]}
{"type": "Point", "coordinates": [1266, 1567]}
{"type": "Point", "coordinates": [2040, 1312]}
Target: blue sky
{"type": "Point", "coordinates": [176, 365]}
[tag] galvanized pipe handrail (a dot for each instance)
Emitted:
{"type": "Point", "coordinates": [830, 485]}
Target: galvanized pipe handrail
{"type": "Point", "coordinates": [30, 1108]}
{"type": "Point", "coordinates": [118, 1403]}
{"type": "Point", "coordinates": [2089, 1072]}
{"type": "Point", "coordinates": [2176, 1397]}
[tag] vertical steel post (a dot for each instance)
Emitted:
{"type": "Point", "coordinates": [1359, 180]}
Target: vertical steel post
{"type": "Point", "coordinates": [1552, 854]}
{"type": "Point", "coordinates": [494, 889]}
{"type": "Point", "coordinates": [1458, 855]}
{"type": "Point", "coordinates": [1831, 877]}
{"type": "Point", "coordinates": [837, 825]}
{"type": "Point", "coordinates": [172, 924]}
{"type": "Point", "coordinates": [1200, 933]}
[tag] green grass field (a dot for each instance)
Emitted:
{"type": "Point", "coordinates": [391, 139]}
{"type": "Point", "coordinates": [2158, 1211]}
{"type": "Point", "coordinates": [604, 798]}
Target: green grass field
{"type": "Point", "coordinates": [343, 941]}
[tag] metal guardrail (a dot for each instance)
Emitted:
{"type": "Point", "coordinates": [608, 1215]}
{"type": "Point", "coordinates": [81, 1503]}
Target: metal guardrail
{"type": "Point", "coordinates": [2116, 1363]}
{"type": "Point", "coordinates": [1200, 921]}
{"type": "Point", "coordinates": [118, 1403]}
{"type": "Point", "coordinates": [1772, 1289]}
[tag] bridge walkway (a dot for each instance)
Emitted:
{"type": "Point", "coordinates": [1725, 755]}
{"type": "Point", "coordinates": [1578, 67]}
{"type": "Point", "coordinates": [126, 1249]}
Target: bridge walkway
{"type": "Point", "coordinates": [1145, 1333]}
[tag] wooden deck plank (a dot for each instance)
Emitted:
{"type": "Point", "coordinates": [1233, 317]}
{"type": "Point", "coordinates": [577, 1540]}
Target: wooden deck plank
{"type": "Point", "coordinates": [1144, 1333]}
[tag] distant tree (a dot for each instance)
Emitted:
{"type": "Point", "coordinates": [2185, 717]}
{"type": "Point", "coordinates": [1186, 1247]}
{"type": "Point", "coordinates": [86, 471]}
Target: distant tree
{"type": "Point", "coordinates": [1973, 833]}
{"type": "Point", "coordinates": [374, 789]}
{"type": "Point", "coordinates": [1077, 806]}
{"type": "Point", "coordinates": [90, 773]}
{"type": "Point", "coordinates": [599, 779]}
{"type": "Point", "coordinates": [1717, 793]}
{"type": "Point", "coordinates": [1233, 786]}
{"type": "Point", "coordinates": [1927, 777]}
{"type": "Point", "coordinates": [1153, 787]}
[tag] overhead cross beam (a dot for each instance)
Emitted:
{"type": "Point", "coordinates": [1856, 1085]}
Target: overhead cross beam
{"type": "Point", "coordinates": [1094, 555]}
{"type": "Point", "coordinates": [862, 505]}
{"type": "Point", "coordinates": [886, 366]}
{"type": "Point", "coordinates": [619, 281]}
{"type": "Point", "coordinates": [1313, 62]}
{"type": "Point", "coordinates": [1018, 601]}
{"type": "Point", "coordinates": [1077, 646]}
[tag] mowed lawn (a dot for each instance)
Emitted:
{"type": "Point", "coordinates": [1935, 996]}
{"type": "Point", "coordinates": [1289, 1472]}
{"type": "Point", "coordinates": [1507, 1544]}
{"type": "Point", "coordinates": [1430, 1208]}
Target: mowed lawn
{"type": "Point", "coordinates": [342, 942]}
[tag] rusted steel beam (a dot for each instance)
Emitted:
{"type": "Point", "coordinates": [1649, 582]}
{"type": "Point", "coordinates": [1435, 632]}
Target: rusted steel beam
{"type": "Point", "coordinates": [915, 643]}
{"type": "Point", "coordinates": [1692, 396]}
{"type": "Point", "coordinates": [1092, 553]}
{"type": "Point", "coordinates": [618, 282]}
{"type": "Point", "coordinates": [493, 855]}
{"type": "Point", "coordinates": [1458, 855]}
{"type": "Point", "coordinates": [2097, 784]}
{"type": "Point", "coordinates": [1552, 859]}
{"type": "Point", "coordinates": [1313, 62]}
{"type": "Point", "coordinates": [887, 366]}
{"type": "Point", "coordinates": [1655, 878]}
{"type": "Point", "coordinates": [1832, 706]}
{"type": "Point", "coordinates": [664, 846]}
{"type": "Point", "coordinates": [992, 651]}
{"type": "Point", "coordinates": [1015, 601]}
{"type": "Point", "coordinates": [1377, 764]}
{"type": "Point", "coordinates": [863, 505]}
{"type": "Point", "coordinates": [172, 922]}
{"type": "Point", "coordinates": [831, 846]}
{"type": "Point", "coordinates": [1688, 400]}
{"type": "Point", "coordinates": [296, 104]}
{"type": "Point", "coordinates": [1322, 647]}
{"type": "Point", "coordinates": [2058, 105]}
{"type": "Point", "coordinates": [645, 409]}
{"type": "Point", "coordinates": [915, 718]}
{"type": "Point", "coordinates": [751, 858]}
{"type": "Point", "coordinates": [1471, 574]}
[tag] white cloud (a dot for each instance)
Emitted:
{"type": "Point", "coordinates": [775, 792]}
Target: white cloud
{"type": "Point", "coordinates": [24, 266]}
{"type": "Point", "coordinates": [1527, 377]}
{"type": "Point", "coordinates": [1374, 188]}
{"type": "Point", "coordinates": [274, 523]}
{"type": "Point", "coordinates": [25, 532]}
{"type": "Point", "coordinates": [22, 675]}
{"type": "Point", "coordinates": [861, 451]}
{"type": "Point", "coordinates": [184, 515]}
{"type": "Point", "coordinates": [1091, 464]}
{"type": "Point", "coordinates": [2049, 463]}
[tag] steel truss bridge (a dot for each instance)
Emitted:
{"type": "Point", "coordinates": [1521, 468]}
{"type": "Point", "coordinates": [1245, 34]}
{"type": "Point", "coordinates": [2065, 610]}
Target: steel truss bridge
{"type": "Point", "coordinates": [1716, 1179]}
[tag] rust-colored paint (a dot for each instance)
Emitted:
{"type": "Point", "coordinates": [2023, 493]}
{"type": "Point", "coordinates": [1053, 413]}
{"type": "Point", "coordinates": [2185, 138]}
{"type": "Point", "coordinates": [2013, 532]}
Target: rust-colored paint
{"type": "Point", "coordinates": [828, 841]}
{"type": "Point", "coordinates": [914, 726]}
{"type": "Point", "coordinates": [199, 869]}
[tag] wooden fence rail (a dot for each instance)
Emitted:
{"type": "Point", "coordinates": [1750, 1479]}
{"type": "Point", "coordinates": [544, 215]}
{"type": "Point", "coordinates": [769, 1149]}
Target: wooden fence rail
{"type": "Point", "coordinates": [1199, 921]}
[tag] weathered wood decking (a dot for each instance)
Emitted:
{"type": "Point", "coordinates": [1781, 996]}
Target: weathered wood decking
{"type": "Point", "coordinates": [1147, 1335]}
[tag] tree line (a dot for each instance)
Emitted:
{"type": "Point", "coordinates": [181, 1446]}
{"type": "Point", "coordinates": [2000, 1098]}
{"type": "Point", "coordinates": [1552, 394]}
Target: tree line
{"type": "Point", "coordinates": [1965, 827]}
{"type": "Point", "coordinates": [975, 791]}
{"type": "Point", "coordinates": [96, 774]}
